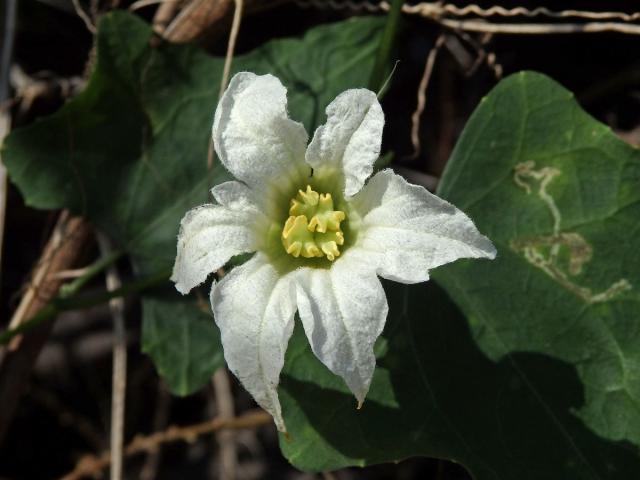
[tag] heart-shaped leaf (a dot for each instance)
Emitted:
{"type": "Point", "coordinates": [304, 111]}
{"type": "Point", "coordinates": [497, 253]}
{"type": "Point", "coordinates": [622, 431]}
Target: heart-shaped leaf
{"type": "Point", "coordinates": [130, 152]}
{"type": "Point", "coordinates": [542, 380]}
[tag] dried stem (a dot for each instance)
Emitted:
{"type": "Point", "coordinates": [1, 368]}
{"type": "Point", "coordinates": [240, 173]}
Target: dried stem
{"type": "Point", "coordinates": [422, 96]}
{"type": "Point", "coordinates": [91, 465]}
{"type": "Point", "coordinates": [63, 251]}
{"type": "Point", "coordinates": [482, 55]}
{"type": "Point", "coordinates": [194, 18]}
{"type": "Point", "coordinates": [231, 46]}
{"type": "Point", "coordinates": [437, 8]}
{"type": "Point", "coordinates": [439, 13]}
{"type": "Point", "coordinates": [119, 376]}
{"type": "Point", "coordinates": [226, 439]}
{"type": "Point", "coordinates": [539, 28]}
{"type": "Point", "coordinates": [164, 14]}
{"type": "Point", "coordinates": [84, 16]}
{"type": "Point", "coordinates": [137, 5]}
{"type": "Point", "coordinates": [62, 303]}
{"type": "Point", "coordinates": [41, 271]}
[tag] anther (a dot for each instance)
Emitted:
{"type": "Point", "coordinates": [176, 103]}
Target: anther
{"type": "Point", "coordinates": [313, 227]}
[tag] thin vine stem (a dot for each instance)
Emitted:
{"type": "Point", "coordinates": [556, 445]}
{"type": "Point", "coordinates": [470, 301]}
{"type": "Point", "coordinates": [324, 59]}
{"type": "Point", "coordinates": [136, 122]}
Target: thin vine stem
{"type": "Point", "coordinates": [70, 289]}
{"type": "Point", "coordinates": [62, 303]}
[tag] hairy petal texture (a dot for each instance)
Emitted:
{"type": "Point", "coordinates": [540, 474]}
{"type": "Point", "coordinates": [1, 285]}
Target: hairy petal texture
{"type": "Point", "coordinates": [254, 308]}
{"type": "Point", "coordinates": [407, 231]}
{"type": "Point", "coordinates": [209, 236]}
{"type": "Point", "coordinates": [238, 197]}
{"type": "Point", "coordinates": [253, 134]}
{"type": "Point", "coordinates": [350, 140]}
{"type": "Point", "coordinates": [343, 311]}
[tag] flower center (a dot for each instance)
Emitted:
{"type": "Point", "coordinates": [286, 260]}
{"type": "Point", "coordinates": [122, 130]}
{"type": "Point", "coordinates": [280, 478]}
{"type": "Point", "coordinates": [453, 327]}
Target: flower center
{"type": "Point", "coordinates": [313, 228]}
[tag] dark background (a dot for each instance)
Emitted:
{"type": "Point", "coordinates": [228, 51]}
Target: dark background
{"type": "Point", "coordinates": [65, 413]}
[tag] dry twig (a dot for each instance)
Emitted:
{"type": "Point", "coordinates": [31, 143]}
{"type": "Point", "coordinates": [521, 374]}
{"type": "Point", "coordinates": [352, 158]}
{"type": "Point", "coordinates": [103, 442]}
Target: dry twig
{"type": "Point", "coordinates": [228, 457]}
{"type": "Point", "coordinates": [164, 15]}
{"type": "Point", "coordinates": [70, 274]}
{"type": "Point", "coordinates": [137, 5]}
{"type": "Point", "coordinates": [84, 16]}
{"type": "Point", "coordinates": [439, 12]}
{"type": "Point", "coordinates": [497, 11]}
{"type": "Point", "coordinates": [63, 251]}
{"type": "Point", "coordinates": [231, 46]}
{"type": "Point", "coordinates": [455, 47]}
{"type": "Point", "coordinates": [539, 28]}
{"type": "Point", "coordinates": [91, 465]}
{"type": "Point", "coordinates": [44, 281]}
{"type": "Point", "coordinates": [119, 376]}
{"type": "Point", "coordinates": [422, 97]}
{"type": "Point", "coordinates": [226, 439]}
{"type": "Point", "coordinates": [194, 18]}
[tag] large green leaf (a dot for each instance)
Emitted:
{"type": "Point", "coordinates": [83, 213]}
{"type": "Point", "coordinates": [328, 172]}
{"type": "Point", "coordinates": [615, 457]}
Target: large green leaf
{"type": "Point", "coordinates": [435, 393]}
{"type": "Point", "coordinates": [542, 380]}
{"type": "Point", "coordinates": [559, 195]}
{"type": "Point", "coordinates": [130, 152]}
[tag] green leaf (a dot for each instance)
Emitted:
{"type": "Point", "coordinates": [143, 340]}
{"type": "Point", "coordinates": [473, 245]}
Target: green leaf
{"type": "Point", "coordinates": [130, 152]}
{"type": "Point", "coordinates": [435, 393]}
{"type": "Point", "coordinates": [182, 340]}
{"type": "Point", "coordinates": [542, 379]}
{"type": "Point", "coordinates": [558, 194]}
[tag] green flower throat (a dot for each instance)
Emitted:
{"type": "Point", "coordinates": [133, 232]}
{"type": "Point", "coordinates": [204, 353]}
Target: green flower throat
{"type": "Point", "coordinates": [313, 227]}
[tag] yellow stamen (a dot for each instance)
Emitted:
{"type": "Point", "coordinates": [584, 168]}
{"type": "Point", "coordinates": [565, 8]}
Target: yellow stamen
{"type": "Point", "coordinates": [313, 227]}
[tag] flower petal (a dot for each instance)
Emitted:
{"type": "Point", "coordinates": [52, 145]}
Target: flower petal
{"type": "Point", "coordinates": [236, 196]}
{"type": "Point", "coordinates": [209, 236]}
{"type": "Point", "coordinates": [254, 308]}
{"type": "Point", "coordinates": [253, 134]}
{"type": "Point", "coordinates": [343, 311]}
{"type": "Point", "coordinates": [351, 138]}
{"type": "Point", "coordinates": [407, 231]}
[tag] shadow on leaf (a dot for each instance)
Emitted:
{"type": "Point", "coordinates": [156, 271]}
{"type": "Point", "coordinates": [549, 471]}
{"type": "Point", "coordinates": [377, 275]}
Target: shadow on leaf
{"type": "Point", "coordinates": [435, 394]}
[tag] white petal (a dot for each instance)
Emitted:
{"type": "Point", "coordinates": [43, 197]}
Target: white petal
{"type": "Point", "coordinates": [407, 231]}
{"type": "Point", "coordinates": [209, 236]}
{"type": "Point", "coordinates": [350, 140]}
{"type": "Point", "coordinates": [343, 311]}
{"type": "Point", "coordinates": [236, 196]}
{"type": "Point", "coordinates": [254, 308]}
{"type": "Point", "coordinates": [252, 133]}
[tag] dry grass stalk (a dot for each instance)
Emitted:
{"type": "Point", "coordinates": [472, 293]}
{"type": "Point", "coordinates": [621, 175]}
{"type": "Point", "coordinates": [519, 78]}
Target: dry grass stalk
{"type": "Point", "coordinates": [91, 465]}
{"type": "Point", "coordinates": [119, 375]}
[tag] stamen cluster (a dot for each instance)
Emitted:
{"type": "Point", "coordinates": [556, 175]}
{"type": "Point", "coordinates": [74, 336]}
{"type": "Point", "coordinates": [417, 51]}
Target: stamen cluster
{"type": "Point", "coordinates": [313, 227]}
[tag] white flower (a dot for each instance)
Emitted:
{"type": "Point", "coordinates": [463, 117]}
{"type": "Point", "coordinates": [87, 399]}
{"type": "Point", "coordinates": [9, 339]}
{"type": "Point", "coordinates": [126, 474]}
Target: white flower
{"type": "Point", "coordinates": [321, 236]}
